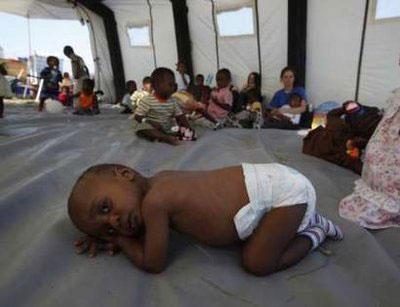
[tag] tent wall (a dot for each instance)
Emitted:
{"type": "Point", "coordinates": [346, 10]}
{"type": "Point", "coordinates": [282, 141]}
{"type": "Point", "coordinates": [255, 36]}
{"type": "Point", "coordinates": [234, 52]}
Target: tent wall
{"type": "Point", "coordinates": [139, 61]}
{"type": "Point", "coordinates": [103, 73]}
{"type": "Point", "coordinates": [240, 54]}
{"type": "Point", "coordinates": [380, 72]}
{"type": "Point", "coordinates": [333, 46]}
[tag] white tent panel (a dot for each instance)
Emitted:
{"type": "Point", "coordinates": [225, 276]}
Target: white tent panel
{"type": "Point", "coordinates": [380, 72]}
{"type": "Point", "coordinates": [202, 37]}
{"type": "Point", "coordinates": [99, 46]}
{"type": "Point", "coordinates": [273, 16]}
{"type": "Point", "coordinates": [139, 61]}
{"type": "Point", "coordinates": [164, 34]}
{"type": "Point", "coordinates": [237, 53]}
{"type": "Point", "coordinates": [333, 45]}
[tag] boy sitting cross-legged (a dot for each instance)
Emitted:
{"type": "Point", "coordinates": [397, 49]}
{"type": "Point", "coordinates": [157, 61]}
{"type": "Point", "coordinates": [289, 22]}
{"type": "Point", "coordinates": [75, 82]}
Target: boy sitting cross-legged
{"type": "Point", "coordinates": [155, 113]}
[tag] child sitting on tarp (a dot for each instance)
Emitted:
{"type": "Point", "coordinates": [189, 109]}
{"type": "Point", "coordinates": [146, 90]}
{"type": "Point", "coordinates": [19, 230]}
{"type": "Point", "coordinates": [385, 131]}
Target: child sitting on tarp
{"type": "Point", "coordinates": [156, 113]}
{"type": "Point", "coordinates": [87, 102]}
{"type": "Point", "coordinates": [220, 103]}
{"type": "Point", "coordinates": [347, 132]}
{"type": "Point", "coordinates": [51, 76]}
{"type": "Point", "coordinates": [138, 95]}
{"type": "Point", "coordinates": [199, 90]}
{"type": "Point", "coordinates": [251, 117]}
{"type": "Point", "coordinates": [270, 209]}
{"type": "Point", "coordinates": [126, 102]}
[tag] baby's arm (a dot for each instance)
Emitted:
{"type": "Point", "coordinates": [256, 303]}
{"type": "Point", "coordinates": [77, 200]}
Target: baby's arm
{"type": "Point", "coordinates": [149, 255]}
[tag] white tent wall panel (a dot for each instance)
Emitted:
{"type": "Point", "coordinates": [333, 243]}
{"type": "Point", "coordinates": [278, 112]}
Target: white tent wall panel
{"type": "Point", "coordinates": [202, 36]}
{"type": "Point", "coordinates": [99, 46]}
{"type": "Point", "coordinates": [164, 35]}
{"type": "Point", "coordinates": [138, 61]}
{"type": "Point", "coordinates": [333, 45]}
{"type": "Point", "coordinates": [273, 16]}
{"type": "Point", "coordinates": [239, 54]}
{"type": "Point", "coordinates": [380, 72]}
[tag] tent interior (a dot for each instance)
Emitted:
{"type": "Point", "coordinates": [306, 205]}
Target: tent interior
{"type": "Point", "coordinates": [345, 52]}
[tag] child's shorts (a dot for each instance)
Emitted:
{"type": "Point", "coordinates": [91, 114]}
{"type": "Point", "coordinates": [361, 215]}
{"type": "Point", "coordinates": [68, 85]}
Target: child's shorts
{"type": "Point", "coordinates": [272, 186]}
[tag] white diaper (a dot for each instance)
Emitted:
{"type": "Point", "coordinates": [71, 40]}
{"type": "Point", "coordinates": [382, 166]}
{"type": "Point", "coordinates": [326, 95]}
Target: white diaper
{"type": "Point", "coordinates": [272, 186]}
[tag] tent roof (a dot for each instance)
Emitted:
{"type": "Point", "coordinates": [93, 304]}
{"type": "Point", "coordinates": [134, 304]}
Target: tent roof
{"type": "Point", "coordinates": [44, 9]}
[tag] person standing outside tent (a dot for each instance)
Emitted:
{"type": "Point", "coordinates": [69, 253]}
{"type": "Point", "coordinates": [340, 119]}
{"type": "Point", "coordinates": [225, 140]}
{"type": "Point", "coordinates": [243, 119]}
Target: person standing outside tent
{"type": "Point", "coordinates": [79, 69]}
{"type": "Point", "coordinates": [181, 77]}
{"type": "Point", "coordinates": [281, 97]}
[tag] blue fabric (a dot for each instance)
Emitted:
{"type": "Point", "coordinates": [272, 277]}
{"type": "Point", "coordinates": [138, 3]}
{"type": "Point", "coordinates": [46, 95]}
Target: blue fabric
{"type": "Point", "coordinates": [281, 98]}
{"type": "Point", "coordinates": [51, 78]}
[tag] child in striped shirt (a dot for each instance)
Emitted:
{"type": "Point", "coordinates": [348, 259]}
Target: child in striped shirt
{"type": "Point", "coordinates": [155, 114]}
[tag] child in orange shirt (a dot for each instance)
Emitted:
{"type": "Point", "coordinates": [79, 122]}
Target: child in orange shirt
{"type": "Point", "coordinates": [88, 104]}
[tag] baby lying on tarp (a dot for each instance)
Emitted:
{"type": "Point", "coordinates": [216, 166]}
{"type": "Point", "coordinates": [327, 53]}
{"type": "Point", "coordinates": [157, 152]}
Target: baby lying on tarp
{"type": "Point", "coordinates": [270, 207]}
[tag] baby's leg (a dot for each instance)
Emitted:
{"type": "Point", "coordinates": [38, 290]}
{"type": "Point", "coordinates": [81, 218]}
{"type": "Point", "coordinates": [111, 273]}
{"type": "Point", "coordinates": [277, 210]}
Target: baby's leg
{"type": "Point", "coordinates": [275, 244]}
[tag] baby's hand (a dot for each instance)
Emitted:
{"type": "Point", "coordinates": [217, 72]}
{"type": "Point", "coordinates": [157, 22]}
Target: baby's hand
{"type": "Point", "coordinates": [93, 245]}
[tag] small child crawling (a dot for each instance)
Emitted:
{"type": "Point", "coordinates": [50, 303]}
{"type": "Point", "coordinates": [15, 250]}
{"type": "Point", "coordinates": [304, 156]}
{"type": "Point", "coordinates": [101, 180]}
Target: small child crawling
{"type": "Point", "coordinates": [269, 207]}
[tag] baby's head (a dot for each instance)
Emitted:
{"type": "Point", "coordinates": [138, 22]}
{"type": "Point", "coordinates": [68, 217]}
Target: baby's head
{"type": "Point", "coordinates": [131, 86]}
{"type": "Point", "coordinates": [87, 86]}
{"type": "Point", "coordinates": [65, 89]}
{"type": "Point", "coordinates": [52, 61]}
{"type": "Point", "coordinates": [66, 75]}
{"type": "Point", "coordinates": [223, 78]}
{"type": "Point", "coordinates": [199, 80]}
{"type": "Point", "coordinates": [252, 96]}
{"type": "Point", "coordinates": [163, 81]}
{"type": "Point", "coordinates": [147, 84]}
{"type": "Point", "coordinates": [295, 100]}
{"type": "Point", "coordinates": [106, 201]}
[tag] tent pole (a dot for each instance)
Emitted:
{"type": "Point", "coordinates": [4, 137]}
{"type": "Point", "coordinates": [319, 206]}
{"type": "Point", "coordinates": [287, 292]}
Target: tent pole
{"type": "Point", "coordinates": [182, 34]}
{"type": "Point", "coordinates": [215, 32]}
{"type": "Point", "coordinates": [360, 58]}
{"type": "Point", "coordinates": [29, 63]}
{"type": "Point", "coordinates": [297, 38]}
{"type": "Point", "coordinates": [153, 46]}
{"type": "Point", "coordinates": [258, 38]}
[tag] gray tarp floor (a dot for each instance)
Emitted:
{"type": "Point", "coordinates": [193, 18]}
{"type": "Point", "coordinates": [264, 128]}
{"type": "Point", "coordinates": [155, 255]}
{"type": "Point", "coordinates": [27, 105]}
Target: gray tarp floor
{"type": "Point", "coordinates": [43, 154]}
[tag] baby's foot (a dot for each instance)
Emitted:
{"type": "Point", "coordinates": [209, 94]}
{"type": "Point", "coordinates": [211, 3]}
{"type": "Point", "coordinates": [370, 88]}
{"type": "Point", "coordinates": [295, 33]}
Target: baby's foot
{"type": "Point", "coordinates": [316, 235]}
{"type": "Point", "coordinates": [331, 230]}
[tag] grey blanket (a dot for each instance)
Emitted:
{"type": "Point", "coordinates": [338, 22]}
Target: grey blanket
{"type": "Point", "coordinates": [43, 154]}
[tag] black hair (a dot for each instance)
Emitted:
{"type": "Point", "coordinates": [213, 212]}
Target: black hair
{"type": "Point", "coordinates": [68, 50]}
{"type": "Point", "coordinates": [146, 79]}
{"type": "Point", "coordinates": [286, 69]}
{"type": "Point", "coordinates": [225, 72]}
{"type": "Point", "coordinates": [88, 84]}
{"type": "Point", "coordinates": [200, 76]}
{"type": "Point", "coordinates": [129, 82]}
{"type": "Point", "coordinates": [159, 74]}
{"type": "Point", "coordinates": [52, 57]}
{"type": "Point", "coordinates": [257, 78]}
{"type": "Point", "coordinates": [295, 95]}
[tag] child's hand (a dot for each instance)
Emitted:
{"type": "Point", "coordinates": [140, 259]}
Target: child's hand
{"type": "Point", "coordinates": [92, 246]}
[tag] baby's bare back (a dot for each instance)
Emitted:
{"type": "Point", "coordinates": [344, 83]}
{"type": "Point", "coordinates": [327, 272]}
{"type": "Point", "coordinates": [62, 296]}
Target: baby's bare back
{"type": "Point", "coordinates": [202, 204]}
